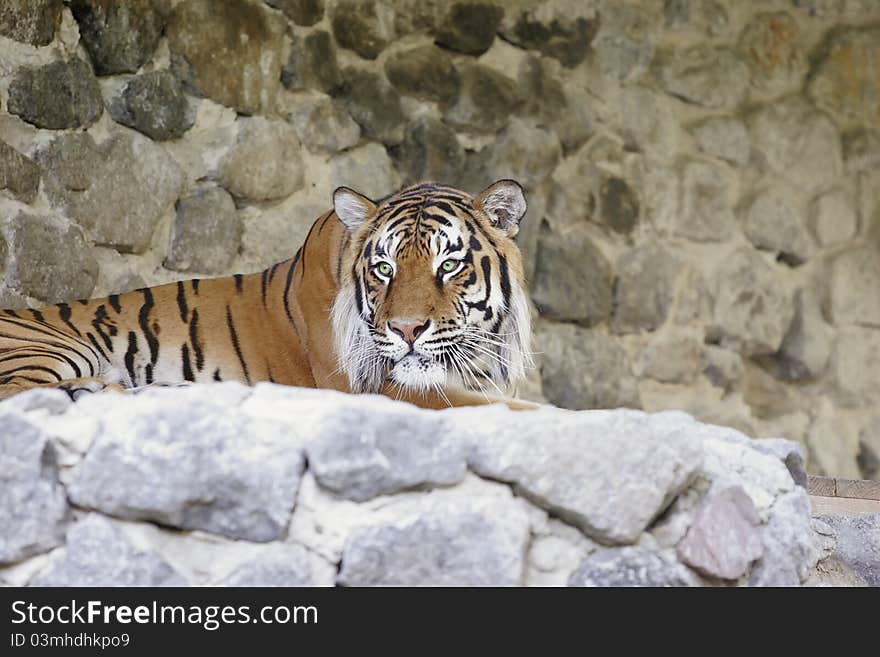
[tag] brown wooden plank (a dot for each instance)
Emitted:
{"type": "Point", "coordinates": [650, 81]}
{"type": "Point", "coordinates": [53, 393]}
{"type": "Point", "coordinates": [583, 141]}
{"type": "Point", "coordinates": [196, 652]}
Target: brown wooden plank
{"type": "Point", "coordinates": [830, 505]}
{"type": "Point", "coordinates": [823, 486]}
{"type": "Point", "coordinates": [858, 488]}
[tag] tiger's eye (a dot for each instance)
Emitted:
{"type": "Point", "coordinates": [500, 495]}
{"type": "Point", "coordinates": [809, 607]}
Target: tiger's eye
{"type": "Point", "coordinates": [384, 268]}
{"type": "Point", "coordinates": [449, 265]}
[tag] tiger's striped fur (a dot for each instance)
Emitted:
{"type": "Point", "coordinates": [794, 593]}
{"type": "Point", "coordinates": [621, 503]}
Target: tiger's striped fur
{"type": "Point", "coordinates": [279, 324]}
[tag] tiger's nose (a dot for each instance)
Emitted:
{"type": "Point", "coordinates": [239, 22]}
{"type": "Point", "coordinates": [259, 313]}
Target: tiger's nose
{"type": "Point", "coordinates": [409, 329]}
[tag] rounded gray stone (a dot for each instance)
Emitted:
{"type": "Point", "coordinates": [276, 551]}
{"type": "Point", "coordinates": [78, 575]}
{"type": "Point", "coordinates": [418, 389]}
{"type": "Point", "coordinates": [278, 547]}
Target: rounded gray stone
{"type": "Point", "coordinates": [301, 12]}
{"type": "Point", "coordinates": [573, 280]}
{"type": "Point", "coordinates": [487, 100]}
{"type": "Point", "coordinates": [430, 150]}
{"type": "Point", "coordinates": [117, 191]}
{"type": "Point", "coordinates": [33, 507]}
{"type": "Point", "coordinates": [631, 566]}
{"type": "Point", "coordinates": [312, 64]}
{"type": "Point", "coordinates": [19, 175]}
{"type": "Point", "coordinates": [374, 104]}
{"type": "Point", "coordinates": [154, 104]}
{"type": "Point", "coordinates": [469, 27]}
{"type": "Point", "coordinates": [63, 94]}
{"type": "Point", "coordinates": [583, 369]}
{"type": "Point", "coordinates": [644, 290]}
{"type": "Point", "coordinates": [48, 259]}
{"type": "Point", "coordinates": [97, 553]}
{"type": "Point", "coordinates": [119, 37]}
{"type": "Point", "coordinates": [206, 234]}
{"type": "Point", "coordinates": [30, 21]}
{"type": "Point", "coordinates": [711, 77]}
{"type": "Point", "coordinates": [425, 72]}
{"type": "Point", "coordinates": [362, 26]}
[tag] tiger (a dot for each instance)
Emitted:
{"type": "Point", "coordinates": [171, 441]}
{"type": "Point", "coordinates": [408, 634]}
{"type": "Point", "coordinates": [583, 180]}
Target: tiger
{"type": "Point", "coordinates": [419, 296]}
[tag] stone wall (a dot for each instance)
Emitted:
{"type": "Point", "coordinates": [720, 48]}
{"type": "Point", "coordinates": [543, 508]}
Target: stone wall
{"type": "Point", "coordinates": [704, 223]}
{"type": "Point", "coordinates": [275, 485]}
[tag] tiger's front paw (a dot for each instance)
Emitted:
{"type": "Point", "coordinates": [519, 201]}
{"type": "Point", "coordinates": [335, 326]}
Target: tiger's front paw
{"type": "Point", "coordinates": [76, 388]}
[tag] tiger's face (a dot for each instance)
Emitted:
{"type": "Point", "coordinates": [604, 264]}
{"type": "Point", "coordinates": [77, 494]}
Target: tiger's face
{"type": "Point", "coordinates": [432, 291]}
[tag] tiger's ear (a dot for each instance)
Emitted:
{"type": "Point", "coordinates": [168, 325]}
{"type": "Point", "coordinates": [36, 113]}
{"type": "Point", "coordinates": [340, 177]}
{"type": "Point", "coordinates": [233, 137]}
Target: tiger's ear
{"type": "Point", "coordinates": [353, 209]}
{"type": "Point", "coordinates": [505, 204]}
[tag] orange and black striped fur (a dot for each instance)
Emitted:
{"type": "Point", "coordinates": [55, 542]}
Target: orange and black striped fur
{"type": "Point", "coordinates": [419, 296]}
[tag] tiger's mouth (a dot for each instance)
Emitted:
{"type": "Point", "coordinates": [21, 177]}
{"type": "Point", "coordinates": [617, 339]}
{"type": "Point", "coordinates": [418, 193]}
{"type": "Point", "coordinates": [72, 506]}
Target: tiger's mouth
{"type": "Point", "coordinates": [415, 370]}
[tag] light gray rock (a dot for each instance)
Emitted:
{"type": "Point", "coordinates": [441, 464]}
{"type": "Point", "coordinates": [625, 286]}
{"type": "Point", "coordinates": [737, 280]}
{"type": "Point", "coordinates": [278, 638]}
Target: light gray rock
{"type": "Point", "coordinates": [206, 234]}
{"type": "Point", "coordinates": [175, 447]}
{"type": "Point", "coordinates": [789, 551]}
{"type": "Point", "coordinates": [631, 566]}
{"type": "Point", "coordinates": [798, 142]}
{"type": "Point", "coordinates": [723, 539]}
{"type": "Point", "coordinates": [753, 309]}
{"type": "Point", "coordinates": [323, 125]}
{"type": "Point", "coordinates": [771, 223]}
{"type": "Point", "coordinates": [858, 544]}
{"type": "Point", "coordinates": [706, 213]}
{"type": "Point", "coordinates": [117, 190]}
{"type": "Point", "coordinates": [48, 259]}
{"type": "Point", "coordinates": [789, 452]}
{"type": "Point", "coordinates": [608, 473]}
{"type": "Point", "coordinates": [284, 564]}
{"type": "Point", "coordinates": [265, 163]}
{"type": "Point", "coordinates": [451, 546]}
{"type": "Point", "coordinates": [832, 218]}
{"type": "Point", "coordinates": [845, 80]}
{"type": "Point", "coordinates": [33, 507]}
{"type": "Point", "coordinates": [573, 280]}
{"type": "Point", "coordinates": [711, 77]}
{"type": "Point", "coordinates": [723, 137]}
{"type": "Point", "coordinates": [360, 454]}
{"type": "Point", "coordinates": [643, 293]}
{"type": "Point", "coordinates": [581, 368]}
{"type": "Point", "coordinates": [853, 280]}
{"type": "Point", "coordinates": [98, 554]}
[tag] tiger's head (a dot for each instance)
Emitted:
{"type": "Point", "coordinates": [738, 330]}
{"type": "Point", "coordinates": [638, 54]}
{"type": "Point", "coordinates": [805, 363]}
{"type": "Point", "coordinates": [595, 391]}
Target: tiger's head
{"type": "Point", "coordinates": [432, 290]}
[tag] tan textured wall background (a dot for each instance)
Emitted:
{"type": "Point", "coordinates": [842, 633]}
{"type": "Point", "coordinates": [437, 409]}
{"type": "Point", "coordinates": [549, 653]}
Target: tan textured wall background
{"type": "Point", "coordinates": [703, 175]}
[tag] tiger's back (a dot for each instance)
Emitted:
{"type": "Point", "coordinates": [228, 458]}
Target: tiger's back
{"type": "Point", "coordinates": [246, 328]}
